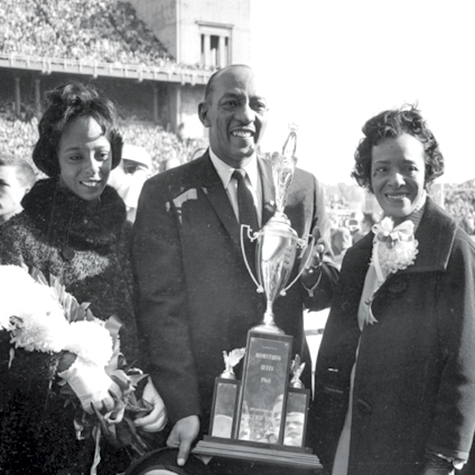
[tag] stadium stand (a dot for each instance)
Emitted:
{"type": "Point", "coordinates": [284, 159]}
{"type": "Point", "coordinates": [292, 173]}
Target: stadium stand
{"type": "Point", "coordinates": [86, 32]}
{"type": "Point", "coordinates": [83, 30]}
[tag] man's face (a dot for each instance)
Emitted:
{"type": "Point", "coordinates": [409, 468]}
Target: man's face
{"type": "Point", "coordinates": [236, 115]}
{"type": "Point", "coordinates": [11, 193]}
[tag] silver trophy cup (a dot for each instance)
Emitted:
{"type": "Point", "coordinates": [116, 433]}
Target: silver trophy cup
{"type": "Point", "coordinates": [277, 243]}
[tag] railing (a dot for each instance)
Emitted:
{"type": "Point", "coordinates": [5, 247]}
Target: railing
{"type": "Point", "coordinates": [168, 72]}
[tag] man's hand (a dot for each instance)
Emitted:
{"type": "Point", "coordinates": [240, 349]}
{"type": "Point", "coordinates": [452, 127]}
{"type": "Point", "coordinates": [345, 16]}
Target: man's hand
{"type": "Point", "coordinates": [437, 465]}
{"type": "Point", "coordinates": [183, 434]}
{"type": "Point", "coordinates": [438, 471]}
{"type": "Point", "coordinates": [157, 418]}
{"type": "Point", "coordinates": [311, 273]}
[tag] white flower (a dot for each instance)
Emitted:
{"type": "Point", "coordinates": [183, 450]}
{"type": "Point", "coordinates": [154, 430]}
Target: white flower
{"type": "Point", "coordinates": [15, 283]}
{"type": "Point", "coordinates": [394, 248]}
{"type": "Point", "coordinates": [46, 331]}
{"type": "Point", "coordinates": [33, 314]}
{"type": "Point", "coordinates": [30, 311]}
{"type": "Point", "coordinates": [91, 341]}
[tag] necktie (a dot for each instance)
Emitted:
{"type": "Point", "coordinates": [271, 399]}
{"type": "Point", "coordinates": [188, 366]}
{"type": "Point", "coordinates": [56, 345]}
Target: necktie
{"type": "Point", "coordinates": [247, 209]}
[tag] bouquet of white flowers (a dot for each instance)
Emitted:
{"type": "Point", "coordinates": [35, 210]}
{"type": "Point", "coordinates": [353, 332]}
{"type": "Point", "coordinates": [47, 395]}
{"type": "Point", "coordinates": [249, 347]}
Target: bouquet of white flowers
{"type": "Point", "coordinates": [51, 320]}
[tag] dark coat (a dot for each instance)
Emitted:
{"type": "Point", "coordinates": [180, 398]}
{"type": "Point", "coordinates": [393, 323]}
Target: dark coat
{"type": "Point", "coordinates": [415, 376]}
{"type": "Point", "coordinates": [196, 296]}
{"type": "Point", "coordinates": [90, 252]}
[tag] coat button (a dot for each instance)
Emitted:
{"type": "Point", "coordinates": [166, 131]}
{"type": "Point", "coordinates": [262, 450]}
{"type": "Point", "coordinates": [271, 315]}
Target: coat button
{"type": "Point", "coordinates": [397, 286]}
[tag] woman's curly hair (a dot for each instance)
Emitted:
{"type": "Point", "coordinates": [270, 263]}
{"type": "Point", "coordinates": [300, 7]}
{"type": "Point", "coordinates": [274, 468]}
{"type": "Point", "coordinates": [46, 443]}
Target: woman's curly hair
{"type": "Point", "coordinates": [391, 124]}
{"type": "Point", "coordinates": [64, 104]}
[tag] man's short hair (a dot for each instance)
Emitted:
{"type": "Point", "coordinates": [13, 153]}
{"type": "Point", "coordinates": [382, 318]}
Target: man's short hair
{"type": "Point", "coordinates": [211, 81]}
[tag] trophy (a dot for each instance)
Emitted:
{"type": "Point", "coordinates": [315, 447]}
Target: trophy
{"type": "Point", "coordinates": [262, 418]}
{"type": "Point", "coordinates": [277, 242]}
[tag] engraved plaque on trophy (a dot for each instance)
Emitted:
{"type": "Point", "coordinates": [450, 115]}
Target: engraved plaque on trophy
{"type": "Point", "coordinates": [264, 386]}
{"type": "Point", "coordinates": [263, 417]}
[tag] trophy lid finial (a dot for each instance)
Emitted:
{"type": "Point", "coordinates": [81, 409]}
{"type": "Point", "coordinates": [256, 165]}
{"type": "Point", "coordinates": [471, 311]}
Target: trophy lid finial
{"type": "Point", "coordinates": [290, 145]}
{"type": "Point", "coordinates": [283, 168]}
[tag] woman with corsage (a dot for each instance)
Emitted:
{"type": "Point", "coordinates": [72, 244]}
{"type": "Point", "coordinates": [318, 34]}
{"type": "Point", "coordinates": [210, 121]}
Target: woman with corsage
{"type": "Point", "coordinates": [395, 373]}
{"type": "Point", "coordinates": [73, 228]}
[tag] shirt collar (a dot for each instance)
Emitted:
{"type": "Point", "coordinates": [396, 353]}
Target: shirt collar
{"type": "Point", "coordinates": [225, 171]}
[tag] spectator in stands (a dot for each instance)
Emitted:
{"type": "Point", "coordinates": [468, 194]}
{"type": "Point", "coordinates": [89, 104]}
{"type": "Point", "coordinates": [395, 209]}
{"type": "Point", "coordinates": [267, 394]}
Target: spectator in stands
{"type": "Point", "coordinates": [86, 31]}
{"type": "Point", "coordinates": [340, 242]}
{"type": "Point", "coordinates": [130, 175]}
{"type": "Point", "coordinates": [395, 373]}
{"type": "Point", "coordinates": [74, 227]}
{"type": "Point", "coordinates": [366, 224]}
{"type": "Point", "coordinates": [16, 178]}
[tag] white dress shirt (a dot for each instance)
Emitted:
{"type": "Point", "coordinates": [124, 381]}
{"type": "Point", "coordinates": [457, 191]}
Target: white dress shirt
{"type": "Point", "coordinates": [253, 181]}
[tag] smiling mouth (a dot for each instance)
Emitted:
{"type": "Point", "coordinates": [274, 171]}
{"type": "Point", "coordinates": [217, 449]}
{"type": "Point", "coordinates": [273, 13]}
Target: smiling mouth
{"type": "Point", "coordinates": [242, 134]}
{"type": "Point", "coordinates": [397, 198]}
{"type": "Point", "coordinates": [91, 183]}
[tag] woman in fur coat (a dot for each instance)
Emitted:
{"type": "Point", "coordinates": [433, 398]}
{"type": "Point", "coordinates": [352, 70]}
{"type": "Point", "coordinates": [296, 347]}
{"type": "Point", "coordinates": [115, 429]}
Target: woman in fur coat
{"type": "Point", "coordinates": [72, 226]}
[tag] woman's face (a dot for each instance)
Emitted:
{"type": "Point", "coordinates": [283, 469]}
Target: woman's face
{"type": "Point", "coordinates": [398, 175]}
{"type": "Point", "coordinates": [85, 158]}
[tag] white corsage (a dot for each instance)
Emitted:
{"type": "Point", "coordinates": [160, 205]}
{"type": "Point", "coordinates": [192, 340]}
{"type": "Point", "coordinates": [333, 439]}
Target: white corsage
{"type": "Point", "coordinates": [394, 247]}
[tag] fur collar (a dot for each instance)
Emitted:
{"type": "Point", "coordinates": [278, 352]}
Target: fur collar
{"type": "Point", "coordinates": [68, 221]}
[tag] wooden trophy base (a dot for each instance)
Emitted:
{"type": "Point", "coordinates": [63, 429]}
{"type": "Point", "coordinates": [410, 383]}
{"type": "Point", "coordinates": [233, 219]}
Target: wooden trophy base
{"type": "Point", "coordinates": [257, 452]}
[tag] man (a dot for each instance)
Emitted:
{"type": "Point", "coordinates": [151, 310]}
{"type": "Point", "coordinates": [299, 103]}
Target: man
{"type": "Point", "coordinates": [130, 175]}
{"type": "Point", "coordinates": [196, 296]}
{"type": "Point", "coordinates": [16, 179]}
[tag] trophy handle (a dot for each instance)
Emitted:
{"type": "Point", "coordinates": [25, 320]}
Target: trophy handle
{"type": "Point", "coordinates": [260, 289]}
{"type": "Point", "coordinates": [306, 259]}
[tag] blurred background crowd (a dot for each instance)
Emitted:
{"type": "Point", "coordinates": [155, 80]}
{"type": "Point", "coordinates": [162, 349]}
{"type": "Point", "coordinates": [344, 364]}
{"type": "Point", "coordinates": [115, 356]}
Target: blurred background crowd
{"type": "Point", "coordinates": [85, 30]}
{"type": "Point", "coordinates": [110, 32]}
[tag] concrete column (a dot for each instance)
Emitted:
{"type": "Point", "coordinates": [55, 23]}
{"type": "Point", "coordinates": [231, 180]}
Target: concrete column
{"type": "Point", "coordinates": [178, 118]}
{"type": "Point", "coordinates": [17, 97]}
{"type": "Point", "coordinates": [155, 104]}
{"type": "Point", "coordinates": [207, 49]}
{"type": "Point", "coordinates": [222, 52]}
{"type": "Point", "coordinates": [37, 97]}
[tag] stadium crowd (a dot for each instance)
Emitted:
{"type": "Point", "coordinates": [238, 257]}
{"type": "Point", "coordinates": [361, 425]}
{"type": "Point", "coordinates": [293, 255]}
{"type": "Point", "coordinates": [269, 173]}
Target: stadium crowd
{"type": "Point", "coordinates": [87, 31]}
{"type": "Point", "coordinates": [459, 202]}
{"type": "Point", "coordinates": [18, 137]}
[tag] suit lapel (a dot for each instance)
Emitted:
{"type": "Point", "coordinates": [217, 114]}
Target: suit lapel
{"type": "Point", "coordinates": [213, 189]}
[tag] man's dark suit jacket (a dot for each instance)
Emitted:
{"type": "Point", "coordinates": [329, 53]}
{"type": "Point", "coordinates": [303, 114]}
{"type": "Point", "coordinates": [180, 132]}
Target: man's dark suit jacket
{"type": "Point", "coordinates": [196, 296]}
